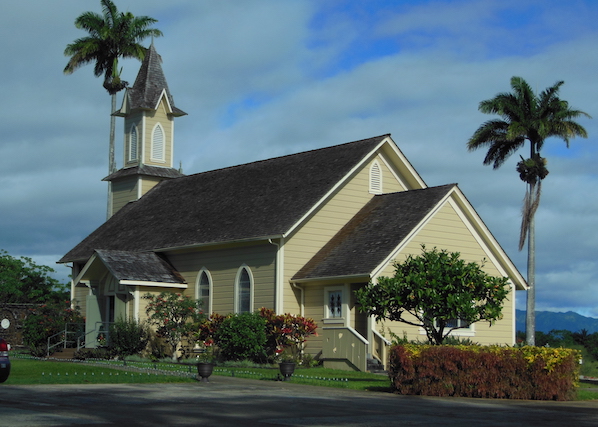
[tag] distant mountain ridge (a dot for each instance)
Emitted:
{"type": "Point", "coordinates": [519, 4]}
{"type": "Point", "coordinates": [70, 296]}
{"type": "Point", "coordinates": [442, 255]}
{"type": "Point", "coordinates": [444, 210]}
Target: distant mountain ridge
{"type": "Point", "coordinates": [546, 321]}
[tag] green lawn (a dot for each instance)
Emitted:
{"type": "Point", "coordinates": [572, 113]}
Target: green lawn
{"type": "Point", "coordinates": [33, 371]}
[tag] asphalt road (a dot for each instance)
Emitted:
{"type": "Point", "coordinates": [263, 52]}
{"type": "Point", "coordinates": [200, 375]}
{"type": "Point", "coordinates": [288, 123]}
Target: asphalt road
{"type": "Point", "coordinates": [240, 402]}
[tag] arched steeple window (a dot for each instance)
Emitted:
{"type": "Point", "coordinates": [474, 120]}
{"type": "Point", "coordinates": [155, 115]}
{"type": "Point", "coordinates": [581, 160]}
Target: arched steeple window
{"type": "Point", "coordinates": [158, 148]}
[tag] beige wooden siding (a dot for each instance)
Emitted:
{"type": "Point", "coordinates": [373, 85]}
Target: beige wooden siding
{"type": "Point", "coordinates": [79, 299]}
{"type": "Point", "coordinates": [328, 220]}
{"type": "Point", "coordinates": [446, 230]}
{"type": "Point", "coordinates": [152, 119]}
{"type": "Point", "coordinates": [149, 182]}
{"type": "Point", "coordinates": [123, 191]}
{"type": "Point", "coordinates": [314, 308]}
{"type": "Point", "coordinates": [143, 302]}
{"type": "Point", "coordinates": [223, 265]}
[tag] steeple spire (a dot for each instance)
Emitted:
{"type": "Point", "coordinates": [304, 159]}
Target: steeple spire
{"type": "Point", "coordinates": [149, 111]}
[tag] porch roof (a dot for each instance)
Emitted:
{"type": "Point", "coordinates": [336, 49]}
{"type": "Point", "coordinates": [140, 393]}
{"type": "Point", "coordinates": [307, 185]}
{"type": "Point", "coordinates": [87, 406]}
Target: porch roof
{"type": "Point", "coordinates": [139, 267]}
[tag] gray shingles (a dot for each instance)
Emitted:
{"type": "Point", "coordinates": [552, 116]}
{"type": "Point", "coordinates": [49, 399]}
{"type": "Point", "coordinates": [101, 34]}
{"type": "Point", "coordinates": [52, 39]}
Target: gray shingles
{"type": "Point", "coordinates": [146, 170]}
{"type": "Point", "coordinates": [139, 266]}
{"type": "Point", "coordinates": [264, 198]}
{"type": "Point", "coordinates": [149, 84]}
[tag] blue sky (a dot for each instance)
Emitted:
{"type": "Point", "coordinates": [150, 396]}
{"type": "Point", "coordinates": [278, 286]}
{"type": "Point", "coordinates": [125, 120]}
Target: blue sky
{"type": "Point", "coordinates": [263, 78]}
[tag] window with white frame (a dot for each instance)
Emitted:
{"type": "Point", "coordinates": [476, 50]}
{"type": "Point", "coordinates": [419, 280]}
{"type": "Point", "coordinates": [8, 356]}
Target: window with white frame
{"type": "Point", "coordinates": [458, 323]}
{"type": "Point", "coordinates": [334, 302]}
{"type": "Point", "coordinates": [158, 148]}
{"type": "Point", "coordinates": [243, 290]}
{"type": "Point", "coordinates": [133, 143]}
{"type": "Point", "coordinates": [203, 290]}
{"type": "Point", "coordinates": [465, 329]}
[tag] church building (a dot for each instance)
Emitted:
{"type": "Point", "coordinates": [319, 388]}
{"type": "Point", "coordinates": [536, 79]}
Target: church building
{"type": "Point", "coordinates": [297, 234]}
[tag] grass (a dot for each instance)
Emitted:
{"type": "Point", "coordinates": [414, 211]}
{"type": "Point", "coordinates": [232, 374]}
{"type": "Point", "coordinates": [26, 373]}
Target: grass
{"type": "Point", "coordinates": [26, 370]}
{"type": "Point", "coordinates": [32, 371]}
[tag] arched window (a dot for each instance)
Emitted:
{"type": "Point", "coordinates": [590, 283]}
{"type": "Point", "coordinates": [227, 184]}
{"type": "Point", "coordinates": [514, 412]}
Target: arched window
{"type": "Point", "coordinates": [244, 291]}
{"type": "Point", "coordinates": [158, 143]}
{"type": "Point", "coordinates": [133, 143]}
{"type": "Point", "coordinates": [375, 179]}
{"type": "Point", "coordinates": [203, 290]}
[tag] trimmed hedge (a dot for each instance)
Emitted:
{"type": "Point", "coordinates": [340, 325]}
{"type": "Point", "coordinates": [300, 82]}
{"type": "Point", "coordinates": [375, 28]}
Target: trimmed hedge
{"type": "Point", "coordinates": [536, 373]}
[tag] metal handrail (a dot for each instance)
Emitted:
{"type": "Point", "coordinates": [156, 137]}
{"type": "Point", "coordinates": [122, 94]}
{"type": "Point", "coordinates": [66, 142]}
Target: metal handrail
{"type": "Point", "coordinates": [65, 333]}
{"type": "Point", "coordinates": [104, 328]}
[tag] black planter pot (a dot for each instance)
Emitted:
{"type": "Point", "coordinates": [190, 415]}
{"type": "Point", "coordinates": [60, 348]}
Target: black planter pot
{"type": "Point", "coordinates": [286, 369]}
{"type": "Point", "coordinates": [204, 370]}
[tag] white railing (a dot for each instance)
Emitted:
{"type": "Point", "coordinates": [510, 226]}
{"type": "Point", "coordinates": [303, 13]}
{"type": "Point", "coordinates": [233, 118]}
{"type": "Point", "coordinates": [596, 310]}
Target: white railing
{"type": "Point", "coordinates": [380, 347]}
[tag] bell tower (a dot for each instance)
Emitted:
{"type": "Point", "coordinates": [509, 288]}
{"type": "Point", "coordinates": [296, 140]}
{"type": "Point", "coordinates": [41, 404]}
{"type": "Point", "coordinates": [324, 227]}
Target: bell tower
{"type": "Point", "coordinates": [149, 111]}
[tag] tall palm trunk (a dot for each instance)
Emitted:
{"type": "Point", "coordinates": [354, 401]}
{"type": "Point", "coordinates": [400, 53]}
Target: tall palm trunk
{"type": "Point", "coordinates": [111, 162]}
{"type": "Point", "coordinates": [530, 318]}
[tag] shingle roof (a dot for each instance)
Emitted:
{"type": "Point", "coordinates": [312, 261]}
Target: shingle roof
{"type": "Point", "coordinates": [139, 266]}
{"type": "Point", "coordinates": [149, 84]}
{"type": "Point", "coordinates": [373, 233]}
{"type": "Point", "coordinates": [143, 169]}
{"type": "Point", "coordinates": [264, 198]}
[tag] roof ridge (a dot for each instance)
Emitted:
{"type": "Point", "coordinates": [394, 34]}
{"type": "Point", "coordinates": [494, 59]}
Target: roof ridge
{"type": "Point", "coordinates": [289, 155]}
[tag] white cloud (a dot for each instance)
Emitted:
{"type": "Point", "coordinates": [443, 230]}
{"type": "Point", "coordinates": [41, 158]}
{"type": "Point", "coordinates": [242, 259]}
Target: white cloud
{"type": "Point", "coordinates": [259, 79]}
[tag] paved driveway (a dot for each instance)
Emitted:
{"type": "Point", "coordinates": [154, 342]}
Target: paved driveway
{"type": "Point", "coordinates": [240, 402]}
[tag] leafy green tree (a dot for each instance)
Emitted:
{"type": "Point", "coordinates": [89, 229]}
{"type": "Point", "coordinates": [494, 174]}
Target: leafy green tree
{"type": "Point", "coordinates": [22, 281]}
{"type": "Point", "coordinates": [175, 316]}
{"type": "Point", "coordinates": [112, 35]}
{"type": "Point", "coordinates": [526, 116]}
{"type": "Point", "coordinates": [432, 291]}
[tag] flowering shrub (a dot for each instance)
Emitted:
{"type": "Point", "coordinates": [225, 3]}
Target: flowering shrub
{"type": "Point", "coordinates": [285, 333]}
{"type": "Point", "coordinates": [477, 371]}
{"type": "Point", "coordinates": [175, 316]}
{"type": "Point", "coordinates": [205, 337]}
{"type": "Point", "coordinates": [46, 320]}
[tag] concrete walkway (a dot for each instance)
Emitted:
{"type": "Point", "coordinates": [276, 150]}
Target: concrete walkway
{"type": "Point", "coordinates": [227, 401]}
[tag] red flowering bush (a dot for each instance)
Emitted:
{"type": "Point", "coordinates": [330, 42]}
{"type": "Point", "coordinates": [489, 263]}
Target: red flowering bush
{"type": "Point", "coordinates": [285, 333]}
{"type": "Point", "coordinates": [175, 317]}
{"type": "Point", "coordinates": [47, 320]}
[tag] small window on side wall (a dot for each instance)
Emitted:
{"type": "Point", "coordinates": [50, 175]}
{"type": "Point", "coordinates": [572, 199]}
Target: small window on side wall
{"type": "Point", "coordinates": [334, 304]}
{"type": "Point", "coordinates": [243, 290]}
{"type": "Point", "coordinates": [204, 290]}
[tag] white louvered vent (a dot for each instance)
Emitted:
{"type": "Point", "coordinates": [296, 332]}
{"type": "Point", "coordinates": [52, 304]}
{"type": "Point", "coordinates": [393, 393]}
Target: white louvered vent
{"type": "Point", "coordinates": [133, 144]}
{"type": "Point", "coordinates": [375, 179]}
{"type": "Point", "coordinates": [158, 144]}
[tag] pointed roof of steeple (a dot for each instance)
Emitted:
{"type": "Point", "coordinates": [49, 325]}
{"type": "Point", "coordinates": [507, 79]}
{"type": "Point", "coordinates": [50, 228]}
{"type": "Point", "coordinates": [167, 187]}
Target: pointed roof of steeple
{"type": "Point", "coordinates": [150, 85]}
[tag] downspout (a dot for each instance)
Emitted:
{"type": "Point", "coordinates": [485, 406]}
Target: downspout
{"type": "Point", "coordinates": [302, 304]}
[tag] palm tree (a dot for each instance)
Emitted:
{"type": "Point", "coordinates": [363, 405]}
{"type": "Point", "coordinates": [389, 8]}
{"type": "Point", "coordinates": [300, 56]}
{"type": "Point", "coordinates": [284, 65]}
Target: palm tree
{"type": "Point", "coordinates": [526, 116]}
{"type": "Point", "coordinates": [112, 35]}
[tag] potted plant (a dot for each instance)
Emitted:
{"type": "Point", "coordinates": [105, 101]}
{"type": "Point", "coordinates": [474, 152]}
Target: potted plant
{"type": "Point", "coordinates": [287, 361]}
{"type": "Point", "coordinates": [205, 360]}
